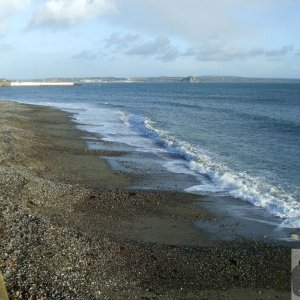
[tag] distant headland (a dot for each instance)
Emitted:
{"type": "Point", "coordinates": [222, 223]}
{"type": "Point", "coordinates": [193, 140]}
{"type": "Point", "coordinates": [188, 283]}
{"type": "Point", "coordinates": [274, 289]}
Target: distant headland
{"type": "Point", "coordinates": [70, 81]}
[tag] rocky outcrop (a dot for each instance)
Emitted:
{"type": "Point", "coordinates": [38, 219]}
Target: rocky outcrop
{"type": "Point", "coordinates": [4, 82]}
{"type": "Point", "coordinates": [190, 79]}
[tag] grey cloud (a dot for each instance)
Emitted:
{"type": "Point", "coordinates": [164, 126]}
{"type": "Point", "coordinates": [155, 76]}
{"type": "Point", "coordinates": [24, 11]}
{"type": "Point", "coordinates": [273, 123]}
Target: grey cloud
{"type": "Point", "coordinates": [119, 42]}
{"type": "Point", "coordinates": [150, 48]}
{"type": "Point", "coordinates": [279, 52]}
{"type": "Point", "coordinates": [193, 22]}
{"type": "Point", "coordinates": [190, 52]}
{"type": "Point", "coordinates": [130, 44]}
{"type": "Point", "coordinates": [86, 55]}
{"type": "Point", "coordinates": [160, 48]}
{"type": "Point", "coordinates": [168, 55]}
{"type": "Point", "coordinates": [220, 53]}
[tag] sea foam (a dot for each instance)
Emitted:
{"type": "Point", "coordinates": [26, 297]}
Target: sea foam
{"type": "Point", "coordinates": [223, 179]}
{"type": "Point", "coordinates": [213, 175]}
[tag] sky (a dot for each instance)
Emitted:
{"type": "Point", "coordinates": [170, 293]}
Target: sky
{"type": "Point", "coordinates": [129, 38]}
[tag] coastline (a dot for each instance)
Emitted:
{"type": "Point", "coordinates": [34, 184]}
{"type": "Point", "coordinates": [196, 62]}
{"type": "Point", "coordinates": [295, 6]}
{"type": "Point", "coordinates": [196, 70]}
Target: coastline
{"type": "Point", "coordinates": [71, 229]}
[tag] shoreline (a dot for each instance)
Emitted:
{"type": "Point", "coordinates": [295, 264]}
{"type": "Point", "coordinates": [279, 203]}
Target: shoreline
{"type": "Point", "coordinates": [64, 211]}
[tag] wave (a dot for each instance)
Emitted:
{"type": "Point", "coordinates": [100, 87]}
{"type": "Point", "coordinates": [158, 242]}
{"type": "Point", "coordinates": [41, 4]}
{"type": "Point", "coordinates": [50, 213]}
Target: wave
{"type": "Point", "coordinates": [214, 176]}
{"type": "Point", "coordinates": [217, 177]}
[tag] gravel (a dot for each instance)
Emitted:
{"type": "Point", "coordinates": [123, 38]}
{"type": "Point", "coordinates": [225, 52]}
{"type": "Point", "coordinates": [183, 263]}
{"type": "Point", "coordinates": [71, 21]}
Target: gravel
{"type": "Point", "coordinates": [69, 234]}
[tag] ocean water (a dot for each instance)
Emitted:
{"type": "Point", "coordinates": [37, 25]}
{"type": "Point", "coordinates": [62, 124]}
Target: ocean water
{"type": "Point", "coordinates": [241, 140]}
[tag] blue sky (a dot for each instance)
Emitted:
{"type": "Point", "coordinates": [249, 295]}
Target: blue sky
{"type": "Point", "coordinates": [126, 38]}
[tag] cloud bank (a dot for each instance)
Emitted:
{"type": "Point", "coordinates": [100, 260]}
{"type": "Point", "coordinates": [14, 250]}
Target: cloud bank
{"type": "Point", "coordinates": [219, 53]}
{"type": "Point", "coordinates": [192, 19]}
{"type": "Point", "coordinates": [130, 44]}
{"type": "Point", "coordinates": [163, 49]}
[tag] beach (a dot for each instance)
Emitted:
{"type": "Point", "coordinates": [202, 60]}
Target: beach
{"type": "Point", "coordinates": [71, 229]}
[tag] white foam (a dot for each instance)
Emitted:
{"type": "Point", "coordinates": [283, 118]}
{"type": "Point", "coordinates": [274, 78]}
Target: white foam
{"type": "Point", "coordinates": [214, 176]}
{"type": "Point", "coordinates": [291, 223]}
{"type": "Point", "coordinates": [237, 184]}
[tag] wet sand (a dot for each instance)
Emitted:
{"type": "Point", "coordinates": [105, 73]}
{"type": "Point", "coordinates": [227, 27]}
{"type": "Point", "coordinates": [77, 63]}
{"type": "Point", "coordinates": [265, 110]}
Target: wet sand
{"type": "Point", "coordinates": [70, 228]}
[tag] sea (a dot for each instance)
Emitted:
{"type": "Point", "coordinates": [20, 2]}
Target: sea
{"type": "Point", "coordinates": [240, 140]}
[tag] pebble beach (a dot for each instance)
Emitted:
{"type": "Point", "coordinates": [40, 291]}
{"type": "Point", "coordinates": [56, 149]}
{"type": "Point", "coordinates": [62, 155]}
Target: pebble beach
{"type": "Point", "coordinates": [71, 229]}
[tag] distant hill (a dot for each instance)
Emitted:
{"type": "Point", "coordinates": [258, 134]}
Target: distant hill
{"type": "Point", "coordinates": [236, 79]}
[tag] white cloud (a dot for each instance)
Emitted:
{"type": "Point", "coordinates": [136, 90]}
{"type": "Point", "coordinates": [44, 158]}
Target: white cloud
{"type": "Point", "coordinates": [66, 13]}
{"type": "Point", "coordinates": [7, 8]}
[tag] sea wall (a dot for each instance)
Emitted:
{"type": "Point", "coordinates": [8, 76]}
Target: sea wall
{"type": "Point", "coordinates": [43, 83]}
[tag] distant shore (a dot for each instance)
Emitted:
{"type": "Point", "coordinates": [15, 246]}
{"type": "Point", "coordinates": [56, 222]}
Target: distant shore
{"type": "Point", "coordinates": [157, 79]}
{"type": "Point", "coordinates": [70, 228]}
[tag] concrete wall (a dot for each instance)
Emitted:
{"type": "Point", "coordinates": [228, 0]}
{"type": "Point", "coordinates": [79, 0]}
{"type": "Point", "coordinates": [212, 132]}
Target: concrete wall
{"type": "Point", "coordinates": [44, 83]}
